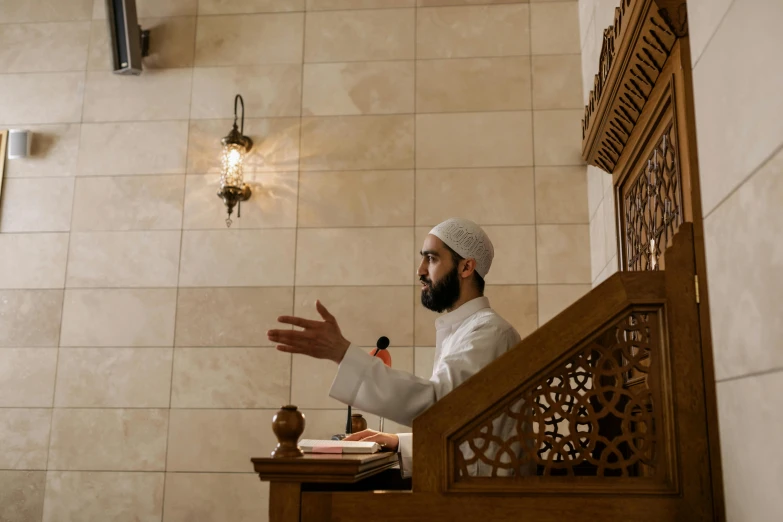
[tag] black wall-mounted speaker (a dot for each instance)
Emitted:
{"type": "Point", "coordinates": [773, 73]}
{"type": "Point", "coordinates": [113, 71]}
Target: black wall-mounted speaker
{"type": "Point", "coordinates": [128, 42]}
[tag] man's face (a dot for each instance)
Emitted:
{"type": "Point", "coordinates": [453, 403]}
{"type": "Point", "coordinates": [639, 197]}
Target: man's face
{"type": "Point", "coordinates": [439, 276]}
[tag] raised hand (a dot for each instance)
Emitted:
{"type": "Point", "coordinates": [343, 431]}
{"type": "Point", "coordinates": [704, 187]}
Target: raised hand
{"type": "Point", "coordinates": [319, 339]}
{"type": "Point", "coordinates": [388, 441]}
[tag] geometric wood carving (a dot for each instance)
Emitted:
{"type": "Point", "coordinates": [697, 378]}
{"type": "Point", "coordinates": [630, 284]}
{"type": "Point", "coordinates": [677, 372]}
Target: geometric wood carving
{"type": "Point", "coordinates": [633, 54]}
{"type": "Point", "coordinates": [600, 413]}
{"type": "Point", "coordinates": [652, 206]}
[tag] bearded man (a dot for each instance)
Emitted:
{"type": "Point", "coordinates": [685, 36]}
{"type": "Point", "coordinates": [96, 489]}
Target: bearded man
{"type": "Point", "coordinates": [455, 259]}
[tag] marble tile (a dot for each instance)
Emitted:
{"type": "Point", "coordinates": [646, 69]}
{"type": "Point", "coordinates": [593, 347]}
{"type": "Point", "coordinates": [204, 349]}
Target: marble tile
{"type": "Point", "coordinates": [22, 495]}
{"type": "Point", "coordinates": [311, 380]}
{"type": "Point", "coordinates": [128, 203]}
{"type": "Point", "coordinates": [108, 440]}
{"type": "Point", "coordinates": [357, 142]}
{"type": "Point", "coordinates": [30, 318]}
{"type": "Point", "coordinates": [749, 426]}
{"type": "Point", "coordinates": [610, 224]}
{"type": "Point", "coordinates": [53, 153]}
{"type": "Point", "coordinates": [272, 203]}
{"type": "Point", "coordinates": [554, 28]}
{"type": "Point", "coordinates": [352, 88]}
{"type": "Point", "coordinates": [44, 47]}
{"type": "Point", "coordinates": [384, 253]}
{"type": "Point", "coordinates": [364, 313]}
{"type": "Point", "coordinates": [515, 255]}
{"type": "Point", "coordinates": [172, 43]}
{"type": "Point", "coordinates": [595, 191]}
{"type": "Point", "coordinates": [105, 148]}
{"type": "Point", "coordinates": [322, 424]}
{"type": "Point", "coordinates": [704, 20]}
{"type": "Point", "coordinates": [516, 304]}
{"type": "Point", "coordinates": [41, 98]}
{"type": "Point", "coordinates": [223, 7]}
{"type": "Point", "coordinates": [223, 40]}
{"type": "Point", "coordinates": [557, 82]}
{"type": "Point", "coordinates": [482, 139]}
{"type": "Point", "coordinates": [558, 137]}
{"type": "Point", "coordinates": [154, 8]}
{"type": "Point", "coordinates": [362, 35]}
{"type": "Point", "coordinates": [230, 378]}
{"type": "Point", "coordinates": [591, 54]}
{"type": "Point", "coordinates": [31, 11]}
{"type": "Point", "coordinates": [210, 258]}
{"type": "Point", "coordinates": [597, 242]}
{"type": "Point", "coordinates": [33, 260]}
{"type": "Point", "coordinates": [73, 496]}
{"type": "Point", "coordinates": [473, 31]}
{"type": "Point", "coordinates": [560, 195]}
{"type": "Point", "coordinates": [202, 319]}
{"type": "Point", "coordinates": [275, 145]}
{"type": "Point", "coordinates": [553, 299]}
{"type": "Point", "coordinates": [157, 95]}
{"type": "Point", "coordinates": [440, 192]}
{"type": "Point", "coordinates": [748, 98]}
{"type": "Point", "coordinates": [358, 198]}
{"type": "Point", "coordinates": [267, 90]}
{"type": "Point", "coordinates": [610, 268]}
{"type": "Point", "coordinates": [562, 254]}
{"type": "Point", "coordinates": [323, 5]}
{"type": "Point", "coordinates": [118, 317]}
{"type": "Point", "coordinates": [130, 259]}
{"type": "Point", "coordinates": [586, 13]}
{"type": "Point", "coordinates": [36, 205]}
{"type": "Point", "coordinates": [424, 359]}
{"type": "Point", "coordinates": [473, 84]}
{"type": "Point", "coordinates": [744, 257]}
{"type": "Point", "coordinates": [27, 377]}
{"type": "Point", "coordinates": [218, 440]}
{"type": "Point", "coordinates": [25, 435]}
{"type": "Point", "coordinates": [215, 497]}
{"type": "Point", "coordinates": [113, 378]}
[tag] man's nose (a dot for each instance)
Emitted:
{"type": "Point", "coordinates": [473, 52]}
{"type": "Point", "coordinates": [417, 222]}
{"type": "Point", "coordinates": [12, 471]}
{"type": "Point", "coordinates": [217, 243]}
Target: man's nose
{"type": "Point", "coordinates": [422, 269]}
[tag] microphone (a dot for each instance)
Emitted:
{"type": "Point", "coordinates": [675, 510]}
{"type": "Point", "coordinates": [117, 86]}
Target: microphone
{"type": "Point", "coordinates": [381, 353]}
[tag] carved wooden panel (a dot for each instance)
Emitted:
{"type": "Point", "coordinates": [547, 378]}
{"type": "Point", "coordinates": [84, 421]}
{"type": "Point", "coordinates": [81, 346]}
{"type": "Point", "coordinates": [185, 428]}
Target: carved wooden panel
{"type": "Point", "coordinates": [628, 69]}
{"type": "Point", "coordinates": [600, 413]}
{"type": "Point", "coordinates": [653, 205]}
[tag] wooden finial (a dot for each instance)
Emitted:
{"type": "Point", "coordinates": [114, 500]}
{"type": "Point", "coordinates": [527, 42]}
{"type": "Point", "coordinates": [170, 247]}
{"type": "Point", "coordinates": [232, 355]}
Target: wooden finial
{"type": "Point", "coordinates": [358, 423]}
{"type": "Point", "coordinates": [288, 425]}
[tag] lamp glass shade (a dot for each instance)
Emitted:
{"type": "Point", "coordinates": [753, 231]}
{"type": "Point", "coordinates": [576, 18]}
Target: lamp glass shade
{"type": "Point", "coordinates": [232, 174]}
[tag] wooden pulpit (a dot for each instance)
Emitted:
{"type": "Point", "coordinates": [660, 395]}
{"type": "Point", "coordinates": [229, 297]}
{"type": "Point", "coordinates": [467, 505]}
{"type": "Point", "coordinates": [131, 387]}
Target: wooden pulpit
{"type": "Point", "coordinates": [299, 486]}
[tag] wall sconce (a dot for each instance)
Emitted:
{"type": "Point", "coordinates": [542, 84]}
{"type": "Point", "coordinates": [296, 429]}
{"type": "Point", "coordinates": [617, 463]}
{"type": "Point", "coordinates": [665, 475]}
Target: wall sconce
{"type": "Point", "coordinates": [233, 190]}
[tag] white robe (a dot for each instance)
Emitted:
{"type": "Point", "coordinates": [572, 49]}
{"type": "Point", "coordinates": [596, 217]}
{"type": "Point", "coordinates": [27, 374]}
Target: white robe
{"type": "Point", "coordinates": [466, 339]}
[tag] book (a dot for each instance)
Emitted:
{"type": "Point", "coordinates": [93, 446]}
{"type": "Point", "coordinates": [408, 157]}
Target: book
{"type": "Point", "coordinates": [338, 446]}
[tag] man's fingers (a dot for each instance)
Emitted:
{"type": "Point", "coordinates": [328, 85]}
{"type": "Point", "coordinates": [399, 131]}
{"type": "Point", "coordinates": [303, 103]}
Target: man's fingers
{"type": "Point", "coordinates": [290, 349]}
{"type": "Point", "coordinates": [324, 312]}
{"type": "Point", "coordinates": [289, 336]}
{"type": "Point", "coordinates": [298, 321]}
{"type": "Point", "coordinates": [359, 435]}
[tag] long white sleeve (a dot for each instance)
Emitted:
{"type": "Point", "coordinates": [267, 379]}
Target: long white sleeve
{"type": "Point", "coordinates": [366, 383]}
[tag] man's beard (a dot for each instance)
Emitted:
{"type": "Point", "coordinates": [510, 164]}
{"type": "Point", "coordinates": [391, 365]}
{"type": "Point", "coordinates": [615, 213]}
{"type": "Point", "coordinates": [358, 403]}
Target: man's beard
{"type": "Point", "coordinates": [442, 295]}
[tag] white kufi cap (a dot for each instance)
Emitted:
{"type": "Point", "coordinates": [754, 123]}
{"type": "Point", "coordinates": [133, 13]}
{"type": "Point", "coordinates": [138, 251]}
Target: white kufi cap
{"type": "Point", "coordinates": [468, 240]}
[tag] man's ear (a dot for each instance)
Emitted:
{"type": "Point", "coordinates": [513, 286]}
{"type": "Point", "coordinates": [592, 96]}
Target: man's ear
{"type": "Point", "coordinates": [468, 268]}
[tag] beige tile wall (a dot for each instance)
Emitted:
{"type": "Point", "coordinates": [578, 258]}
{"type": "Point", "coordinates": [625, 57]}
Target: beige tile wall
{"type": "Point", "coordinates": [132, 322]}
{"type": "Point", "coordinates": [739, 126]}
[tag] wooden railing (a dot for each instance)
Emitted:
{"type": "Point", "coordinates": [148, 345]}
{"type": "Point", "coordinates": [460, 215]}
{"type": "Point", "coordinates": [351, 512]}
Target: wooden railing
{"type": "Point", "coordinates": [598, 415]}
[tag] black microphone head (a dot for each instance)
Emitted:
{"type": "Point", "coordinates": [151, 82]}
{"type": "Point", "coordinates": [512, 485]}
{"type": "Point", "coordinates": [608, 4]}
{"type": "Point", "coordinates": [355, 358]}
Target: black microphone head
{"type": "Point", "coordinates": [382, 343]}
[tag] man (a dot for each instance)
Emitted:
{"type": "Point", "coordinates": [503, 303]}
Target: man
{"type": "Point", "coordinates": [455, 259]}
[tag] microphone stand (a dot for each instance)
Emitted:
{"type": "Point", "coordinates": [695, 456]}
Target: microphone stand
{"type": "Point", "coordinates": [382, 344]}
